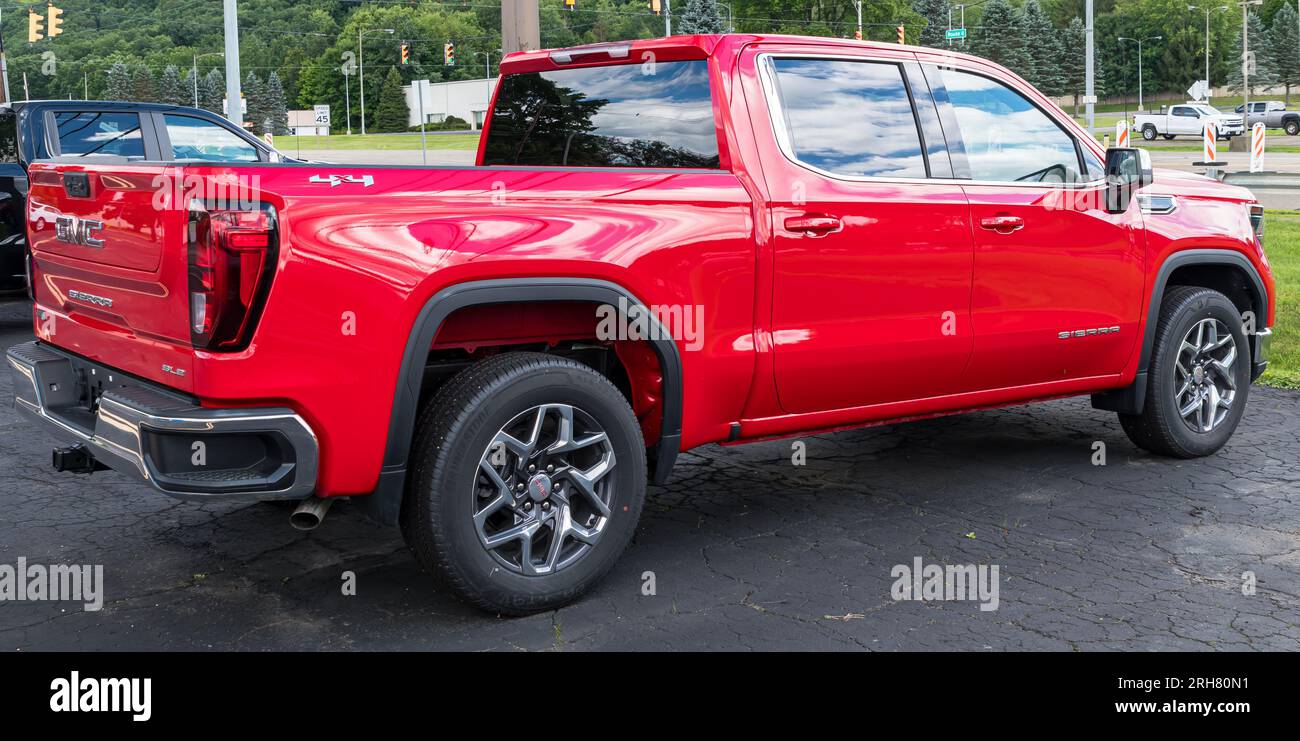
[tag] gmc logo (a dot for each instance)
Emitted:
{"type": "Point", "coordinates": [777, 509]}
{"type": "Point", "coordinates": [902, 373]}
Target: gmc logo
{"type": "Point", "coordinates": [73, 230]}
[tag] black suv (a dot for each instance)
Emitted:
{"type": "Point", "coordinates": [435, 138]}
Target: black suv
{"type": "Point", "coordinates": [153, 132]}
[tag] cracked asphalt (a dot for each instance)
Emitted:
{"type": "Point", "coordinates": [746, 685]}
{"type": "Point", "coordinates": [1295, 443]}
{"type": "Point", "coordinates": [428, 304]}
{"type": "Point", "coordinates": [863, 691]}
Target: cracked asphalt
{"type": "Point", "coordinates": [748, 551]}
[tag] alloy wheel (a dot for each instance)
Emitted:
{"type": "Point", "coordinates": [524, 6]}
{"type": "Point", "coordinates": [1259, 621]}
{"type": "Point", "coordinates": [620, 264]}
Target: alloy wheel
{"type": "Point", "coordinates": [1205, 375]}
{"type": "Point", "coordinates": [543, 492]}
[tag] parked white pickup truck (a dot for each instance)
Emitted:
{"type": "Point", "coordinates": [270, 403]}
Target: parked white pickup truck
{"type": "Point", "coordinates": [1187, 119]}
{"type": "Point", "coordinates": [1274, 115]}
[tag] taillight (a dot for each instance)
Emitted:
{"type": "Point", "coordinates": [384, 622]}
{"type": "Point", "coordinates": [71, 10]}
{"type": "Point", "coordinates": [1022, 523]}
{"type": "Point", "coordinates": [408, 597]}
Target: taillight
{"type": "Point", "coordinates": [231, 260]}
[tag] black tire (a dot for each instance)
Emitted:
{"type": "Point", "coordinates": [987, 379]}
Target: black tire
{"type": "Point", "coordinates": [1159, 428]}
{"type": "Point", "coordinates": [1291, 126]}
{"type": "Point", "coordinates": [452, 435]}
{"type": "Point", "coordinates": [1149, 132]}
{"type": "Point", "coordinates": [1168, 137]}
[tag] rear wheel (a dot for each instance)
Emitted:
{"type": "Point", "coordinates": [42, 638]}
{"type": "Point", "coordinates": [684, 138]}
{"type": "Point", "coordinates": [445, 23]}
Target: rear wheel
{"type": "Point", "coordinates": [1198, 379]}
{"type": "Point", "coordinates": [529, 477]}
{"type": "Point", "coordinates": [1149, 132]}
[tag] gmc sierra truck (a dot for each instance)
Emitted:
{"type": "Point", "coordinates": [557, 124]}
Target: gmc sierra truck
{"type": "Point", "coordinates": [664, 244]}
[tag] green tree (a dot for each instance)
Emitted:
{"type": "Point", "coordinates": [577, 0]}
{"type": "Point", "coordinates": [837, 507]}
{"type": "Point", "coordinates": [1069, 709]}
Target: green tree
{"type": "Point", "coordinates": [119, 83]}
{"type": "Point", "coordinates": [700, 16]}
{"type": "Point", "coordinates": [170, 88]}
{"type": "Point", "coordinates": [1258, 58]}
{"type": "Point", "coordinates": [1284, 38]}
{"type": "Point", "coordinates": [935, 13]}
{"type": "Point", "coordinates": [255, 98]}
{"type": "Point", "coordinates": [212, 91]}
{"type": "Point", "coordinates": [1043, 45]}
{"type": "Point", "coordinates": [190, 85]}
{"type": "Point", "coordinates": [1000, 37]}
{"type": "Point", "coordinates": [392, 114]}
{"type": "Point", "coordinates": [1074, 64]}
{"type": "Point", "coordinates": [277, 109]}
{"type": "Point", "coordinates": [143, 87]}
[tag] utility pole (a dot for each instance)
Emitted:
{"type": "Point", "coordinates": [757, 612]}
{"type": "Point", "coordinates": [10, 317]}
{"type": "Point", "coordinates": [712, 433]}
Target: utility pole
{"type": "Point", "coordinates": [347, 97]}
{"type": "Point", "coordinates": [4, 63]}
{"type": "Point", "coordinates": [1245, 57]}
{"type": "Point", "coordinates": [234, 100]}
{"type": "Point", "coordinates": [858, 5]}
{"type": "Point", "coordinates": [520, 26]}
{"type": "Point", "coordinates": [1139, 43]}
{"type": "Point", "coordinates": [1208, 11]}
{"type": "Point", "coordinates": [1089, 91]}
{"type": "Point", "coordinates": [668, 17]}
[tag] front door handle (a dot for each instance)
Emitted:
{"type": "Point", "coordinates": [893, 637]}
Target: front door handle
{"type": "Point", "coordinates": [813, 225]}
{"type": "Point", "coordinates": [1002, 223]}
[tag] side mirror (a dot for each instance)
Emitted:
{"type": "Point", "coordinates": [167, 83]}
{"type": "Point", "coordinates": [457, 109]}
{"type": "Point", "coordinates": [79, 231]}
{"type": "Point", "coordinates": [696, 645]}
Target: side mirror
{"type": "Point", "coordinates": [1128, 169]}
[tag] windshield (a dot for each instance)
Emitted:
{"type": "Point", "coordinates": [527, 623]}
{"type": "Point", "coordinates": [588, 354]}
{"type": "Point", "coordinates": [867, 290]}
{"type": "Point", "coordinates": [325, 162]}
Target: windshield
{"type": "Point", "coordinates": [1205, 110]}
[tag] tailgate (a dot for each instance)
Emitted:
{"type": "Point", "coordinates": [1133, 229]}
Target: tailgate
{"type": "Point", "coordinates": [109, 253]}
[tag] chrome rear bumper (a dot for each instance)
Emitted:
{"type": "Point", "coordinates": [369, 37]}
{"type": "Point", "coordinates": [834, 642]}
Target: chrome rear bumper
{"type": "Point", "coordinates": [162, 437]}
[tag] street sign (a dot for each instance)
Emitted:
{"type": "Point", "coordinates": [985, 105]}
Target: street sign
{"type": "Point", "coordinates": [955, 33]}
{"type": "Point", "coordinates": [1089, 99]}
{"type": "Point", "coordinates": [1198, 91]}
{"type": "Point", "coordinates": [322, 115]}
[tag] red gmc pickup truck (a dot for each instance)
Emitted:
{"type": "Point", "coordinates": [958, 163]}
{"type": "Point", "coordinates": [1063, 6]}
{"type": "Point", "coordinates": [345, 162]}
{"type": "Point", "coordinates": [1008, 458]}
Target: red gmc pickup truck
{"type": "Point", "coordinates": [665, 243]}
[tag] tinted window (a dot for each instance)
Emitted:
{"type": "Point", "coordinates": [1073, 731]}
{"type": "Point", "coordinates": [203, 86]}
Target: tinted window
{"type": "Point", "coordinates": [8, 136]}
{"type": "Point", "coordinates": [1185, 112]}
{"type": "Point", "coordinates": [196, 139]}
{"type": "Point", "coordinates": [850, 118]}
{"type": "Point", "coordinates": [1007, 138]}
{"type": "Point", "coordinates": [91, 133]}
{"type": "Point", "coordinates": [631, 115]}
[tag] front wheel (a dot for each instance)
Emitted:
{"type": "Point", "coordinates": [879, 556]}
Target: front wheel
{"type": "Point", "coordinates": [529, 477]}
{"type": "Point", "coordinates": [1198, 379]}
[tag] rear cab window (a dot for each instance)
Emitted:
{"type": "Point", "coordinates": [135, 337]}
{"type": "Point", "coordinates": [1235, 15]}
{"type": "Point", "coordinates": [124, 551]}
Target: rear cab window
{"type": "Point", "coordinates": [630, 115]}
{"type": "Point", "coordinates": [99, 133]}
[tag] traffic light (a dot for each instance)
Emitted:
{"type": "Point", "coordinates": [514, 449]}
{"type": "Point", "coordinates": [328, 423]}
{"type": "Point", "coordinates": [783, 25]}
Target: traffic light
{"type": "Point", "coordinates": [657, 7]}
{"type": "Point", "coordinates": [449, 54]}
{"type": "Point", "coordinates": [55, 16]}
{"type": "Point", "coordinates": [35, 27]}
{"type": "Point", "coordinates": [406, 54]}
{"type": "Point", "coordinates": [901, 38]}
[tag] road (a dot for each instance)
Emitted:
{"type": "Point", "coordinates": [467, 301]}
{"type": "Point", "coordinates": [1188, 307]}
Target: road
{"type": "Point", "coordinates": [747, 550]}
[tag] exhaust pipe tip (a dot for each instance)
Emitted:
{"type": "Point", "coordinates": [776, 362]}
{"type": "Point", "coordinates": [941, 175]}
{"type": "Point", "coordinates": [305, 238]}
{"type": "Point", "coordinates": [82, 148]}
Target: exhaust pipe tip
{"type": "Point", "coordinates": [310, 513]}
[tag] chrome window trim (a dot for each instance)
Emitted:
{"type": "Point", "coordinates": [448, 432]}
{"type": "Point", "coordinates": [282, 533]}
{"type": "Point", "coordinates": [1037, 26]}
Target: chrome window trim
{"type": "Point", "coordinates": [780, 127]}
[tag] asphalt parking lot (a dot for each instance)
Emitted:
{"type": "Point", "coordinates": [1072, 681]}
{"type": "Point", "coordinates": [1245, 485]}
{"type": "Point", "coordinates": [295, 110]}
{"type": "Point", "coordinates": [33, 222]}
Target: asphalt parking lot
{"type": "Point", "coordinates": [747, 550]}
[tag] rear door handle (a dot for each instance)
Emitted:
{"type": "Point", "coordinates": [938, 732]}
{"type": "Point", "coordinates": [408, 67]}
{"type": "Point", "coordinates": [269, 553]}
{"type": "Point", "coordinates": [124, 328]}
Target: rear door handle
{"type": "Point", "coordinates": [1002, 223]}
{"type": "Point", "coordinates": [813, 225]}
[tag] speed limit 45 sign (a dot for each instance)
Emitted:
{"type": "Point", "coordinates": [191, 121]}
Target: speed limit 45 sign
{"type": "Point", "coordinates": [322, 115]}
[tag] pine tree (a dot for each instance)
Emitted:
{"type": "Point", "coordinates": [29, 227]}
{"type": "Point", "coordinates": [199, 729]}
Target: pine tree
{"type": "Point", "coordinates": [1284, 39]}
{"type": "Point", "coordinates": [1044, 48]}
{"type": "Point", "coordinates": [700, 16]}
{"type": "Point", "coordinates": [1074, 61]}
{"type": "Point", "coordinates": [143, 88]}
{"type": "Point", "coordinates": [1001, 38]}
{"type": "Point", "coordinates": [255, 97]}
{"type": "Point", "coordinates": [277, 109]}
{"type": "Point", "coordinates": [170, 88]}
{"type": "Point", "coordinates": [936, 22]}
{"type": "Point", "coordinates": [1259, 57]}
{"type": "Point", "coordinates": [119, 83]}
{"type": "Point", "coordinates": [212, 90]}
{"type": "Point", "coordinates": [392, 114]}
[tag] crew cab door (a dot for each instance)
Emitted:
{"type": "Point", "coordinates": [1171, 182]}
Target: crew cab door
{"type": "Point", "coordinates": [1050, 261]}
{"type": "Point", "coordinates": [1184, 119]}
{"type": "Point", "coordinates": [872, 255]}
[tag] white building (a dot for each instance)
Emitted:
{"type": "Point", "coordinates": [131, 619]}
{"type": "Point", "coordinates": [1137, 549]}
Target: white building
{"type": "Point", "coordinates": [467, 100]}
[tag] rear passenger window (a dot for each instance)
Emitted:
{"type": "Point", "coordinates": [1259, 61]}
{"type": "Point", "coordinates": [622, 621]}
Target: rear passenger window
{"type": "Point", "coordinates": [849, 118]}
{"type": "Point", "coordinates": [1007, 138]}
{"type": "Point", "coordinates": [99, 133]}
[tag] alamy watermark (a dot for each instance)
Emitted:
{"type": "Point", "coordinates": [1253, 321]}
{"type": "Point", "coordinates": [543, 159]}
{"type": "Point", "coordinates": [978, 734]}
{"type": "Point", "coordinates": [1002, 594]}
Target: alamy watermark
{"type": "Point", "coordinates": [629, 321]}
{"type": "Point", "coordinates": [934, 582]}
{"type": "Point", "coordinates": [26, 582]}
